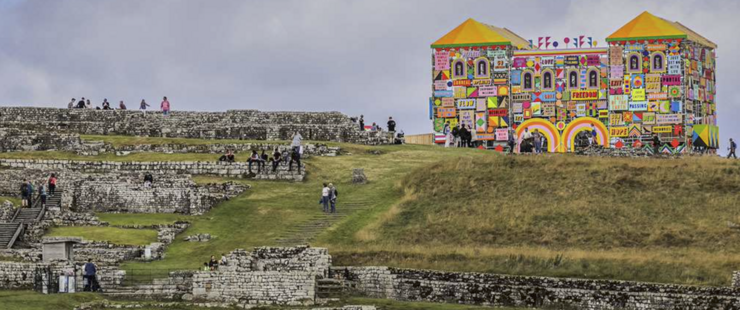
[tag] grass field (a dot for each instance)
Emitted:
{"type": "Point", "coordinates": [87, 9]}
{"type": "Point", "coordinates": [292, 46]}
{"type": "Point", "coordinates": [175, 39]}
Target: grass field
{"type": "Point", "coordinates": [112, 234]}
{"type": "Point", "coordinates": [14, 200]}
{"type": "Point", "coordinates": [657, 220]}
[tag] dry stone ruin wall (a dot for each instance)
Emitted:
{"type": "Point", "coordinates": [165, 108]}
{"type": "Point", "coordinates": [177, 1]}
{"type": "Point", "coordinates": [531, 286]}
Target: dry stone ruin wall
{"type": "Point", "coordinates": [232, 124]}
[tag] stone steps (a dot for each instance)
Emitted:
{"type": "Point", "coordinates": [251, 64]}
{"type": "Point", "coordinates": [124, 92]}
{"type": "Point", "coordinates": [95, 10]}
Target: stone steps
{"type": "Point", "coordinates": [7, 234]}
{"type": "Point", "coordinates": [307, 232]}
{"type": "Point", "coordinates": [329, 288]}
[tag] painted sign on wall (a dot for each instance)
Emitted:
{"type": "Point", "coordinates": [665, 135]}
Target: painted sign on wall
{"type": "Point", "coordinates": [441, 60]}
{"type": "Point", "coordinates": [591, 94]}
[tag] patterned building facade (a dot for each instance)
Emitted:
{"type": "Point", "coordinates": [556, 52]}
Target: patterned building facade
{"type": "Point", "coordinates": [655, 77]}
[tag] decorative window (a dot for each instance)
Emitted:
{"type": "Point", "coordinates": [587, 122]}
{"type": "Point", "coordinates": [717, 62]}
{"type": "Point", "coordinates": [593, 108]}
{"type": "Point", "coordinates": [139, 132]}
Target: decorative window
{"type": "Point", "coordinates": [527, 80]}
{"type": "Point", "coordinates": [482, 68]}
{"type": "Point", "coordinates": [548, 81]}
{"type": "Point", "coordinates": [459, 69]}
{"type": "Point", "coordinates": [593, 78]}
{"type": "Point", "coordinates": [657, 62]}
{"type": "Point", "coordinates": [572, 79]}
{"type": "Point", "coordinates": [634, 63]}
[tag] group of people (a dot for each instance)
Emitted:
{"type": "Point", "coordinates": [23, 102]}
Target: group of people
{"type": "Point", "coordinates": [329, 198]}
{"type": "Point", "coordinates": [213, 264]}
{"type": "Point", "coordinates": [532, 142]}
{"type": "Point", "coordinates": [28, 188]}
{"type": "Point", "coordinates": [85, 104]}
{"type": "Point", "coordinates": [287, 157]}
{"type": "Point", "coordinates": [459, 136]}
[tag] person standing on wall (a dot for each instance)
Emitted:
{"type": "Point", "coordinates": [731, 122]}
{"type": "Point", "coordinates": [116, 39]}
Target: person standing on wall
{"type": "Point", "coordinates": [297, 140]}
{"type": "Point", "coordinates": [52, 184]}
{"type": "Point", "coordinates": [165, 106]}
{"type": "Point", "coordinates": [733, 146]}
{"type": "Point", "coordinates": [391, 124]}
{"type": "Point", "coordinates": [362, 122]}
{"type": "Point", "coordinates": [143, 106]}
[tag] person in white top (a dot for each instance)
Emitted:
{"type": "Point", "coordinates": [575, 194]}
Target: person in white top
{"type": "Point", "coordinates": [325, 197]}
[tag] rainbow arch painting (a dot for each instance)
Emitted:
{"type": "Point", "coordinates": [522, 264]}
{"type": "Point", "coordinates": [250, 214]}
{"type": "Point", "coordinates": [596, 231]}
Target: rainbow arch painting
{"type": "Point", "coordinates": [581, 124]}
{"type": "Point", "coordinates": [545, 127]}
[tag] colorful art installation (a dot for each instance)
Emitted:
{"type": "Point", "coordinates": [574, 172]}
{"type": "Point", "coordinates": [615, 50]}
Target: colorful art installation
{"type": "Point", "coordinates": [543, 126]}
{"type": "Point", "coordinates": [654, 77]}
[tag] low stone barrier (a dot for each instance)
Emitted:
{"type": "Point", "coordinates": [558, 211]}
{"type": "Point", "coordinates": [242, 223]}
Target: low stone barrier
{"type": "Point", "coordinates": [520, 291]}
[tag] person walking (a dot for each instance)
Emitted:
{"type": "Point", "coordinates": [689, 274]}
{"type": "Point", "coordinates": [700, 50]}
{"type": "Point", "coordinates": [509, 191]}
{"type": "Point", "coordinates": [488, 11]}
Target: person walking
{"type": "Point", "coordinates": [333, 198]}
{"type": "Point", "coordinates": [362, 122]}
{"type": "Point", "coordinates": [325, 192]}
{"type": "Point", "coordinates": [391, 124]}
{"type": "Point", "coordinates": [448, 134]}
{"type": "Point", "coordinates": [24, 193]}
{"type": "Point", "coordinates": [165, 106]}
{"type": "Point", "coordinates": [52, 184]}
{"type": "Point", "coordinates": [537, 141]}
{"type": "Point", "coordinates": [42, 195]}
{"type": "Point", "coordinates": [71, 104]}
{"type": "Point", "coordinates": [594, 140]}
{"type": "Point", "coordinates": [121, 105]}
{"type": "Point", "coordinates": [143, 106]}
{"type": "Point", "coordinates": [89, 274]}
{"type": "Point", "coordinates": [30, 194]}
{"type": "Point", "coordinates": [733, 146]}
{"type": "Point", "coordinates": [512, 141]}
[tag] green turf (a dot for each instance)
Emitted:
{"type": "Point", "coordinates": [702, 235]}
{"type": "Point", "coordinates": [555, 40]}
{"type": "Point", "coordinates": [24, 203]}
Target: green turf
{"type": "Point", "coordinates": [29, 300]}
{"type": "Point", "coordinates": [471, 210]}
{"type": "Point", "coordinates": [111, 234]}
{"type": "Point", "coordinates": [141, 219]}
{"type": "Point", "coordinates": [14, 200]}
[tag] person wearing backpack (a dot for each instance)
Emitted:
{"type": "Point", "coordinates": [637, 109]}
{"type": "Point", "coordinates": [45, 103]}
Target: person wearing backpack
{"type": "Point", "coordinates": [391, 124]}
{"type": "Point", "coordinates": [30, 194]}
{"type": "Point", "coordinates": [52, 184]}
{"type": "Point", "coordinates": [24, 193]}
{"type": "Point", "coordinates": [42, 195]}
{"type": "Point", "coordinates": [333, 198]}
{"type": "Point", "coordinates": [733, 146]}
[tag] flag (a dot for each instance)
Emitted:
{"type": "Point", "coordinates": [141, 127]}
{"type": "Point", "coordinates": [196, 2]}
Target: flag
{"type": "Point", "coordinates": [580, 41]}
{"type": "Point", "coordinates": [547, 42]}
{"type": "Point", "coordinates": [590, 42]}
{"type": "Point", "coordinates": [539, 42]}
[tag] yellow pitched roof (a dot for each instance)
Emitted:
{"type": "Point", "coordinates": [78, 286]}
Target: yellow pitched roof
{"type": "Point", "coordinates": [648, 26]}
{"type": "Point", "coordinates": [474, 33]}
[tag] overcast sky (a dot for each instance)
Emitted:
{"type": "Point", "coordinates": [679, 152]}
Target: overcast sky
{"type": "Point", "coordinates": [369, 57]}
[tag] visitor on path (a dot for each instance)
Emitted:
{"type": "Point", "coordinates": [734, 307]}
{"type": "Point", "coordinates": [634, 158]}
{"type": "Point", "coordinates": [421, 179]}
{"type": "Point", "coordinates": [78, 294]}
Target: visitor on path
{"type": "Point", "coordinates": [362, 122]}
{"type": "Point", "coordinates": [30, 194]}
{"type": "Point", "coordinates": [593, 135]}
{"type": "Point", "coordinates": [42, 195]}
{"type": "Point", "coordinates": [333, 198]}
{"type": "Point", "coordinates": [213, 263]}
{"type": "Point", "coordinates": [391, 124]}
{"type": "Point", "coordinates": [143, 106]}
{"type": "Point", "coordinates": [223, 261]}
{"type": "Point", "coordinates": [448, 134]}
{"type": "Point", "coordinates": [325, 198]}
{"type": "Point", "coordinates": [24, 193]}
{"type": "Point", "coordinates": [656, 144]}
{"type": "Point", "coordinates": [81, 103]}
{"type": "Point", "coordinates": [526, 145]}
{"type": "Point", "coordinates": [733, 146]}
{"type": "Point", "coordinates": [71, 104]}
{"type": "Point", "coordinates": [121, 105]}
{"type": "Point", "coordinates": [148, 180]}
{"type": "Point", "coordinates": [90, 271]}
{"type": "Point", "coordinates": [467, 136]}
{"type": "Point", "coordinates": [106, 104]}
{"type": "Point", "coordinates": [537, 141]}
{"type": "Point", "coordinates": [276, 158]}
{"type": "Point", "coordinates": [52, 184]}
{"type": "Point", "coordinates": [512, 141]}
{"type": "Point", "coordinates": [165, 106]}
{"type": "Point", "coordinates": [255, 158]}
{"type": "Point", "coordinates": [295, 156]}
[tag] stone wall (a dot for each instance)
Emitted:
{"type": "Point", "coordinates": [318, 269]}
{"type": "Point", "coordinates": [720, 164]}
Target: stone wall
{"type": "Point", "coordinates": [520, 291]}
{"type": "Point", "coordinates": [13, 139]}
{"type": "Point", "coordinates": [241, 150]}
{"type": "Point", "coordinates": [301, 258]}
{"type": "Point", "coordinates": [23, 275]}
{"type": "Point", "coordinates": [232, 124]}
{"type": "Point", "coordinates": [223, 169]}
{"type": "Point", "coordinates": [256, 287]}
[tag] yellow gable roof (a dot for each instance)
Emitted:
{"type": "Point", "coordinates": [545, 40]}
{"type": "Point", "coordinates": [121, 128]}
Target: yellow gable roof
{"type": "Point", "coordinates": [474, 33]}
{"type": "Point", "coordinates": [647, 26]}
